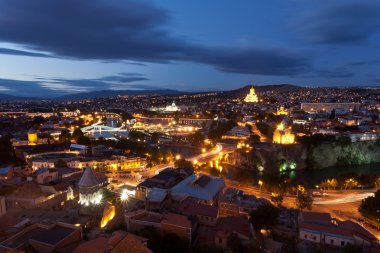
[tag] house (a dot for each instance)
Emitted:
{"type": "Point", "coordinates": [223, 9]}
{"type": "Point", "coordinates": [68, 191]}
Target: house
{"type": "Point", "coordinates": [166, 179]}
{"type": "Point", "coordinates": [203, 188]}
{"type": "Point", "coordinates": [205, 214]}
{"type": "Point", "coordinates": [322, 229]}
{"type": "Point", "coordinates": [156, 199]}
{"type": "Point", "coordinates": [164, 223]}
{"type": "Point", "coordinates": [237, 203]}
{"type": "Point", "coordinates": [119, 241]}
{"type": "Point", "coordinates": [43, 238]}
{"type": "Point", "coordinates": [218, 235]}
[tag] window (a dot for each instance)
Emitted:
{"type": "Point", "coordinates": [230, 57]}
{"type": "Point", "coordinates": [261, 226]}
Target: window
{"type": "Point", "coordinates": [220, 240]}
{"type": "Point", "coordinates": [331, 241]}
{"type": "Point", "coordinates": [305, 236]}
{"type": "Point", "coordinates": [342, 243]}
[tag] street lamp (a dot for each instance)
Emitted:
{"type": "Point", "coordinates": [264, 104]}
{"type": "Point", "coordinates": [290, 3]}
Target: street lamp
{"type": "Point", "coordinates": [260, 184]}
{"type": "Point", "coordinates": [177, 157]}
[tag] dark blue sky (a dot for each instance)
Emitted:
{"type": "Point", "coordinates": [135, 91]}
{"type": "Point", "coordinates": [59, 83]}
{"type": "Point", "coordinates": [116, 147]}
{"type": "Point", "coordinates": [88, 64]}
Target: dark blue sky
{"type": "Point", "coordinates": [51, 48]}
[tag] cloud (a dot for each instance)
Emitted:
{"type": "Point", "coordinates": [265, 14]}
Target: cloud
{"type": "Point", "coordinates": [365, 62]}
{"type": "Point", "coordinates": [128, 30]}
{"type": "Point", "coordinates": [53, 87]}
{"type": "Point", "coordinates": [344, 23]}
{"type": "Point", "coordinates": [23, 53]}
{"type": "Point", "coordinates": [335, 73]}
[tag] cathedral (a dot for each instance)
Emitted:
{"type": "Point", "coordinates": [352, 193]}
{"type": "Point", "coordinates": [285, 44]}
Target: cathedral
{"type": "Point", "coordinates": [251, 96]}
{"type": "Point", "coordinates": [90, 189]}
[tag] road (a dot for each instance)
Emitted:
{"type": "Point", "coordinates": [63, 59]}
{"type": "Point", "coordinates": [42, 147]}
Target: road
{"type": "Point", "coordinates": [204, 157]}
{"type": "Point", "coordinates": [342, 205]}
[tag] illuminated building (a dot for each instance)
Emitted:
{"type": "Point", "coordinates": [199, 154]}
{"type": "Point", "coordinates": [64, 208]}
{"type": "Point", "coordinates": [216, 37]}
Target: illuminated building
{"type": "Point", "coordinates": [108, 214]}
{"type": "Point", "coordinates": [283, 135]}
{"type": "Point", "coordinates": [32, 136]}
{"type": "Point", "coordinates": [328, 107]}
{"type": "Point", "coordinates": [281, 111]}
{"type": "Point", "coordinates": [89, 189]}
{"type": "Point", "coordinates": [171, 108]}
{"type": "Point", "coordinates": [251, 96]}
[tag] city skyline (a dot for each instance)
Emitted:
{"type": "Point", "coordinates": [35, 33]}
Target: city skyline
{"type": "Point", "coordinates": [52, 49]}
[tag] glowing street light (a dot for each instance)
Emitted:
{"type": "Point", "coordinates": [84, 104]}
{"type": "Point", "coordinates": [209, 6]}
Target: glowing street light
{"type": "Point", "coordinates": [260, 184]}
{"type": "Point", "coordinates": [195, 161]}
{"type": "Point", "coordinates": [124, 195]}
{"type": "Point", "coordinates": [177, 157]}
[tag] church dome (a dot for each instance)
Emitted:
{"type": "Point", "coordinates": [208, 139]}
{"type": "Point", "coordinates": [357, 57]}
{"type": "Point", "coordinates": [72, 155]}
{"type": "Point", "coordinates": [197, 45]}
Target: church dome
{"type": "Point", "coordinates": [88, 179]}
{"type": "Point", "coordinates": [32, 130]}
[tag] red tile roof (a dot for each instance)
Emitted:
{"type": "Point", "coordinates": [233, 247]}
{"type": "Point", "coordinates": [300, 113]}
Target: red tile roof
{"type": "Point", "coordinates": [316, 217]}
{"type": "Point", "coordinates": [194, 208]}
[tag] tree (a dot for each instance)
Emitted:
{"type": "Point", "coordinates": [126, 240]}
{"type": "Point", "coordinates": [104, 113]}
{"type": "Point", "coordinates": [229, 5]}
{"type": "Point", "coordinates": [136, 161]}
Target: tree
{"type": "Point", "coordinates": [332, 183]}
{"type": "Point", "coordinates": [65, 136]}
{"type": "Point", "coordinates": [350, 248]}
{"type": "Point", "coordinates": [84, 140]}
{"type": "Point", "coordinates": [6, 149]}
{"type": "Point", "coordinates": [370, 206]}
{"type": "Point", "coordinates": [196, 139]}
{"type": "Point", "coordinates": [155, 137]}
{"type": "Point", "coordinates": [264, 216]}
{"type": "Point", "coordinates": [234, 243]}
{"type": "Point", "coordinates": [77, 134]}
{"type": "Point", "coordinates": [304, 201]}
{"type": "Point", "coordinates": [60, 163]}
{"type": "Point", "coordinates": [254, 138]}
{"type": "Point", "coordinates": [332, 115]}
{"type": "Point", "coordinates": [277, 198]}
{"type": "Point", "coordinates": [153, 236]}
{"type": "Point", "coordinates": [183, 164]}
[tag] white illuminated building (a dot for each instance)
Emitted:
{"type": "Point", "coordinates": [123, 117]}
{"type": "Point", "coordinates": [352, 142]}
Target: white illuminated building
{"type": "Point", "coordinates": [89, 189]}
{"type": "Point", "coordinates": [172, 108]}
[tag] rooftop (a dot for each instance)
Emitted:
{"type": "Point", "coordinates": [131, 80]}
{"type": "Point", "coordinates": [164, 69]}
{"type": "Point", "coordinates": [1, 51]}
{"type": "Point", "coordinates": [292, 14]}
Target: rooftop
{"type": "Point", "coordinates": [44, 234]}
{"type": "Point", "coordinates": [199, 186]}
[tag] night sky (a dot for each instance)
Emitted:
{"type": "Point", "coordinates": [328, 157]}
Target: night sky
{"type": "Point", "coordinates": [52, 48]}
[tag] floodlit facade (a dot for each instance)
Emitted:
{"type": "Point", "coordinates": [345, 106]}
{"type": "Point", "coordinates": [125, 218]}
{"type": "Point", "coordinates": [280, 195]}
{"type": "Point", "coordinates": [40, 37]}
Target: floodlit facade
{"type": "Point", "coordinates": [283, 135]}
{"type": "Point", "coordinates": [172, 108]}
{"type": "Point", "coordinates": [251, 96]}
{"type": "Point", "coordinates": [32, 136]}
{"type": "Point", "coordinates": [89, 189]}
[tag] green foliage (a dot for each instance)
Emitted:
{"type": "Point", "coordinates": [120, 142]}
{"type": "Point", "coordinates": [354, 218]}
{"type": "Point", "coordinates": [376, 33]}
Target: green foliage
{"type": "Point", "coordinates": [277, 199]}
{"type": "Point", "coordinates": [77, 134]}
{"type": "Point", "coordinates": [166, 243]}
{"type": "Point", "coordinates": [266, 129]}
{"type": "Point", "coordinates": [220, 129]}
{"type": "Point", "coordinates": [196, 139]}
{"type": "Point", "coordinates": [370, 206]}
{"type": "Point", "coordinates": [6, 149]}
{"type": "Point", "coordinates": [290, 246]}
{"type": "Point", "coordinates": [136, 135]}
{"type": "Point", "coordinates": [214, 172]}
{"type": "Point", "coordinates": [254, 138]}
{"type": "Point", "coordinates": [304, 201]}
{"type": "Point", "coordinates": [183, 164]}
{"type": "Point", "coordinates": [84, 140]}
{"type": "Point", "coordinates": [65, 136]}
{"type": "Point", "coordinates": [60, 163]}
{"type": "Point", "coordinates": [264, 216]}
{"type": "Point", "coordinates": [234, 243]}
{"type": "Point", "coordinates": [350, 248]}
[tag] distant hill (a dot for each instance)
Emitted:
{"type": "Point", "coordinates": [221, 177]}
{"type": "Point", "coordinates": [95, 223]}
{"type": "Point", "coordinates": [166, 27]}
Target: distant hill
{"type": "Point", "coordinates": [114, 93]}
{"type": "Point", "coordinates": [10, 97]}
{"type": "Point", "coordinates": [241, 92]}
